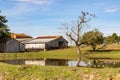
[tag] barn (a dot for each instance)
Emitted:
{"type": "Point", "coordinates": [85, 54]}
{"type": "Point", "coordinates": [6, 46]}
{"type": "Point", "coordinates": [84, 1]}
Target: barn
{"type": "Point", "coordinates": [46, 43]}
{"type": "Point", "coordinates": [11, 45]}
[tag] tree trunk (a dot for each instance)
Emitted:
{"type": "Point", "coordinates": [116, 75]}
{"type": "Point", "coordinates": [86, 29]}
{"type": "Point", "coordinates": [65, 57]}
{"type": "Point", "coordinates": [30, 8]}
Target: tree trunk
{"type": "Point", "coordinates": [94, 47]}
{"type": "Point", "coordinates": [79, 55]}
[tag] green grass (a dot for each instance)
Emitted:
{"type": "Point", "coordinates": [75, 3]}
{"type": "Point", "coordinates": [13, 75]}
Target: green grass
{"type": "Point", "coordinates": [110, 52]}
{"type": "Point", "coordinates": [69, 53]}
{"type": "Point", "coordinates": [31, 72]}
{"type": "Point", "coordinates": [104, 55]}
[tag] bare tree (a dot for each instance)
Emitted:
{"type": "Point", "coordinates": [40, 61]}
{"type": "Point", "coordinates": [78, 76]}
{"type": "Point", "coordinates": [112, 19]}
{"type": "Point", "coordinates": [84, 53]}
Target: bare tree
{"type": "Point", "coordinates": [75, 30]}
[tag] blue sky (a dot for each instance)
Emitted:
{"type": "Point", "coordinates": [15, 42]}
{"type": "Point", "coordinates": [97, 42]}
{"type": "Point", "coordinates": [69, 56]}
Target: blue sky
{"type": "Point", "coordinates": [45, 17]}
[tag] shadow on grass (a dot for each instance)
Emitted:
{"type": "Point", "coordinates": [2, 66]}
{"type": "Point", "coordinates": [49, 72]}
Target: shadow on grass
{"type": "Point", "coordinates": [102, 50]}
{"type": "Point", "coordinates": [99, 50]}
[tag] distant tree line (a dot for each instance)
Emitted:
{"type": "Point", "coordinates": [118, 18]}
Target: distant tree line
{"type": "Point", "coordinates": [112, 39]}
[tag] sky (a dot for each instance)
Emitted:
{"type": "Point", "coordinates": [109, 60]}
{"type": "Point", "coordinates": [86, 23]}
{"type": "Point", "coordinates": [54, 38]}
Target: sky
{"type": "Point", "coordinates": [45, 17]}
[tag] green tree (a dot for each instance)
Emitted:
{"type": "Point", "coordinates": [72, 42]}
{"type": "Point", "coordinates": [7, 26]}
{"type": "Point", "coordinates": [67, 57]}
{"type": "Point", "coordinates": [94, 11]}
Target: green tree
{"type": "Point", "coordinates": [74, 31]}
{"type": "Point", "coordinates": [109, 40]}
{"type": "Point", "coordinates": [118, 39]}
{"type": "Point", "coordinates": [115, 38]}
{"type": "Point", "coordinates": [4, 31]}
{"type": "Point", "coordinates": [92, 38]}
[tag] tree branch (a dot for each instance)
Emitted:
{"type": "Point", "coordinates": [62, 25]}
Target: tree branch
{"type": "Point", "coordinates": [70, 36]}
{"type": "Point", "coordinates": [74, 32]}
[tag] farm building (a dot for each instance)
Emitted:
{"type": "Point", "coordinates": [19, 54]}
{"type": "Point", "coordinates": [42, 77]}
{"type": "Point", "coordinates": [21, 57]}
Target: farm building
{"type": "Point", "coordinates": [46, 42]}
{"type": "Point", "coordinates": [11, 45]}
{"type": "Point", "coordinates": [22, 38]}
{"type": "Point", "coordinates": [19, 36]}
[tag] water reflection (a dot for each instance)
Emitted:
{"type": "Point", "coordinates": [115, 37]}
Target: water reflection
{"type": "Point", "coordinates": [98, 63]}
{"type": "Point", "coordinates": [43, 62]}
{"type": "Point", "coordinates": [82, 63]}
{"type": "Point", "coordinates": [62, 62]}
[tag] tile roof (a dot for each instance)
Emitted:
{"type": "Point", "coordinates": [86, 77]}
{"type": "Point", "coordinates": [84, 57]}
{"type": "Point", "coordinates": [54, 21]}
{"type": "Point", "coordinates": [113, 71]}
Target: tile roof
{"type": "Point", "coordinates": [24, 40]}
{"type": "Point", "coordinates": [14, 35]}
{"type": "Point", "coordinates": [40, 40]}
{"type": "Point", "coordinates": [46, 37]}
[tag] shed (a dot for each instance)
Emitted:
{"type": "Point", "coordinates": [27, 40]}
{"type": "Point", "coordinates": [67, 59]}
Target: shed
{"type": "Point", "coordinates": [46, 42]}
{"type": "Point", "coordinates": [11, 45]}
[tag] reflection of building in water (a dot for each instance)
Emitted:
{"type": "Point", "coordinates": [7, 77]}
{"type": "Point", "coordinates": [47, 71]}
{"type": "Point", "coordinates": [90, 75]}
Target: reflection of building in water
{"type": "Point", "coordinates": [43, 62]}
{"type": "Point", "coordinates": [14, 62]}
{"type": "Point", "coordinates": [61, 62]}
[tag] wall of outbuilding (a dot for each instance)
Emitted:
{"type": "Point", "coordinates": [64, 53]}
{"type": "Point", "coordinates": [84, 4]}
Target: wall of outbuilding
{"type": "Point", "coordinates": [35, 46]}
{"type": "Point", "coordinates": [12, 46]}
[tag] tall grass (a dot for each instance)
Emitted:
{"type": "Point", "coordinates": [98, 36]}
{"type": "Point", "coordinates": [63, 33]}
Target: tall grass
{"type": "Point", "coordinates": [69, 53]}
{"type": "Point", "coordinates": [31, 72]}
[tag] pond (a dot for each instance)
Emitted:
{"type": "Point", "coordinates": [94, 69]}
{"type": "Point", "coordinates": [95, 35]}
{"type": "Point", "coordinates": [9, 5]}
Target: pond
{"type": "Point", "coordinates": [97, 63]}
{"type": "Point", "coordinates": [44, 62]}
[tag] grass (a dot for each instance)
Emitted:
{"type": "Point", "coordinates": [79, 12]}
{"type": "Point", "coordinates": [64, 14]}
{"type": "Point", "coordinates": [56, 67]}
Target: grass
{"type": "Point", "coordinates": [110, 52]}
{"type": "Point", "coordinates": [69, 53]}
{"type": "Point", "coordinates": [32, 72]}
{"type": "Point", "coordinates": [105, 55]}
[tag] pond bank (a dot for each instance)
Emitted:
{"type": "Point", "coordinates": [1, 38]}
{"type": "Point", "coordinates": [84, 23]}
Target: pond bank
{"type": "Point", "coordinates": [32, 72]}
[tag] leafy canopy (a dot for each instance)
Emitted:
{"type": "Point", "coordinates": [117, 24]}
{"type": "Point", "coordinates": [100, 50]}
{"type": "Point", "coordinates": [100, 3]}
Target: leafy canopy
{"type": "Point", "coordinates": [114, 38]}
{"type": "Point", "coordinates": [92, 38]}
{"type": "Point", "coordinates": [4, 31]}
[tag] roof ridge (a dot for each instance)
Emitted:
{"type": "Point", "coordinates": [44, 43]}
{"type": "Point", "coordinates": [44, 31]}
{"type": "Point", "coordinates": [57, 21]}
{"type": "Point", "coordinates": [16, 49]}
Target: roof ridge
{"type": "Point", "coordinates": [42, 37]}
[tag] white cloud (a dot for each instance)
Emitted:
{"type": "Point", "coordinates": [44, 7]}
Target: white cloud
{"type": "Point", "coordinates": [111, 10]}
{"type": "Point", "coordinates": [19, 9]}
{"type": "Point", "coordinates": [24, 7]}
{"type": "Point", "coordinates": [39, 2]}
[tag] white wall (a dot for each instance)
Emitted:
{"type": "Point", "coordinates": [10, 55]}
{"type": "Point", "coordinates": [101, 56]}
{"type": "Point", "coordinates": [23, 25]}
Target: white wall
{"type": "Point", "coordinates": [34, 46]}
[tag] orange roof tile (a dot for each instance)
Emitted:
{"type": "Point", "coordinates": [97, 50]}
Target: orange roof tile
{"type": "Point", "coordinates": [44, 37]}
{"type": "Point", "coordinates": [20, 35]}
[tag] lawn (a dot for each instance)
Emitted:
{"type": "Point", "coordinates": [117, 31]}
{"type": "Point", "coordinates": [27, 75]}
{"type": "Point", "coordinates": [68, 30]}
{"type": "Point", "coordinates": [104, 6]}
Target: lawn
{"type": "Point", "coordinates": [69, 53]}
{"type": "Point", "coordinates": [110, 52]}
{"type": "Point", "coordinates": [32, 72]}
